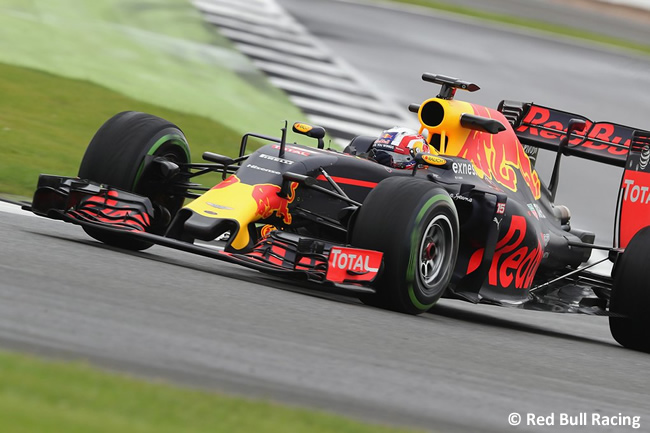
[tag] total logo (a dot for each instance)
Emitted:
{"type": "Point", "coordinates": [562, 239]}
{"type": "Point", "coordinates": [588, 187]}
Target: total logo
{"type": "Point", "coordinates": [355, 262]}
{"type": "Point", "coordinates": [291, 149]}
{"type": "Point", "coordinates": [635, 193]}
{"type": "Point", "coordinates": [352, 264]}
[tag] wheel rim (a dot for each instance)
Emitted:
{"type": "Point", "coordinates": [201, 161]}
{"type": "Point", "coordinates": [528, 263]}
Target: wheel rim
{"type": "Point", "coordinates": [435, 252]}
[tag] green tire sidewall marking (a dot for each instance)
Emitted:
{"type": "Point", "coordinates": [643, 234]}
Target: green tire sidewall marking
{"type": "Point", "coordinates": [177, 139]}
{"type": "Point", "coordinates": [413, 258]}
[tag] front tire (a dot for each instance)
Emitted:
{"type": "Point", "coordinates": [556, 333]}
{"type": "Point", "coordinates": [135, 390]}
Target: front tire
{"type": "Point", "coordinates": [415, 224]}
{"type": "Point", "coordinates": [631, 295]}
{"type": "Point", "coordinates": [121, 154]}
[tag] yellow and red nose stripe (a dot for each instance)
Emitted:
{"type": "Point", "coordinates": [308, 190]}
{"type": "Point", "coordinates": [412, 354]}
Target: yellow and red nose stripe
{"type": "Point", "coordinates": [246, 204]}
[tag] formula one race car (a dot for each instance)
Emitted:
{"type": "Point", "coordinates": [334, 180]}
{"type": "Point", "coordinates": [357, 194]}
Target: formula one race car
{"type": "Point", "coordinates": [470, 219]}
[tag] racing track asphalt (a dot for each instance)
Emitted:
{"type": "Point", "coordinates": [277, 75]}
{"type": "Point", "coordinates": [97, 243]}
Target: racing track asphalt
{"type": "Point", "coordinates": [171, 315]}
{"type": "Point", "coordinates": [168, 314]}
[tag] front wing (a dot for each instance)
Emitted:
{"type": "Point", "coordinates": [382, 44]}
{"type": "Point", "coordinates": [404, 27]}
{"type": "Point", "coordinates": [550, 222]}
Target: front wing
{"type": "Point", "coordinates": [125, 214]}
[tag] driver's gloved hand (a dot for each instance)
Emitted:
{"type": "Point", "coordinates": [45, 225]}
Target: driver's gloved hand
{"type": "Point", "coordinates": [383, 158]}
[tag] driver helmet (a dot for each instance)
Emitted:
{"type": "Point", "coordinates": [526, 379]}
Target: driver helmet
{"type": "Point", "coordinates": [396, 147]}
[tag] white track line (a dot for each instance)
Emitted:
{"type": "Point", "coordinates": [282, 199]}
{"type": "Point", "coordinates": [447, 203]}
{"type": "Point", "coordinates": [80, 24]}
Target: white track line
{"type": "Point", "coordinates": [255, 18]}
{"type": "Point", "coordinates": [332, 93]}
{"type": "Point", "coordinates": [265, 54]}
{"type": "Point", "coordinates": [15, 209]}
{"type": "Point", "coordinates": [342, 98]}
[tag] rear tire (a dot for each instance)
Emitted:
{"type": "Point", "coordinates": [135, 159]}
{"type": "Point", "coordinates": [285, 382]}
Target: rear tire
{"type": "Point", "coordinates": [120, 155]}
{"type": "Point", "coordinates": [631, 295]}
{"type": "Point", "coordinates": [415, 224]}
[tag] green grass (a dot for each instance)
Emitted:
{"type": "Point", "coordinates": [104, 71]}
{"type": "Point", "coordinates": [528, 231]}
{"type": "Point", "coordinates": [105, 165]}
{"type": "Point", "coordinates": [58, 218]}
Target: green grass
{"type": "Point", "coordinates": [47, 121]}
{"type": "Point", "coordinates": [69, 65]}
{"type": "Point", "coordinates": [48, 397]}
{"type": "Point", "coordinates": [159, 51]}
{"type": "Point", "coordinates": [529, 23]}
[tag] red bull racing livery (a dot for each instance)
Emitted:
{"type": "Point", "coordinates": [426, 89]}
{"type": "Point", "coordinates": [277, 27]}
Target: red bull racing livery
{"type": "Point", "coordinates": [469, 219]}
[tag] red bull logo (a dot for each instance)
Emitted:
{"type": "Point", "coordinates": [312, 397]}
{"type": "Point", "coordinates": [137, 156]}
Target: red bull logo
{"type": "Point", "coordinates": [386, 138]}
{"type": "Point", "coordinates": [269, 202]}
{"type": "Point", "coordinates": [266, 198]}
{"type": "Point", "coordinates": [597, 138]}
{"type": "Point", "coordinates": [499, 157]}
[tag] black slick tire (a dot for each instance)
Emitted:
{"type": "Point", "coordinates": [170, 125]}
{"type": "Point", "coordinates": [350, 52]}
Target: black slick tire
{"type": "Point", "coordinates": [120, 155]}
{"type": "Point", "coordinates": [415, 224]}
{"type": "Point", "coordinates": [631, 295]}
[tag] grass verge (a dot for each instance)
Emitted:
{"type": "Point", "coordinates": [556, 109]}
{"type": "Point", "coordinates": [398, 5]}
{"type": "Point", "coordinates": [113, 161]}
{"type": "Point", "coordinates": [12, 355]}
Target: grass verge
{"type": "Point", "coordinates": [49, 397]}
{"type": "Point", "coordinates": [159, 51]}
{"type": "Point", "coordinates": [47, 121]}
{"type": "Point", "coordinates": [529, 24]}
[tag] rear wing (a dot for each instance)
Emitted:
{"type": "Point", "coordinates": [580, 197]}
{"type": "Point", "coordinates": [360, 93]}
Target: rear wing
{"type": "Point", "coordinates": [543, 127]}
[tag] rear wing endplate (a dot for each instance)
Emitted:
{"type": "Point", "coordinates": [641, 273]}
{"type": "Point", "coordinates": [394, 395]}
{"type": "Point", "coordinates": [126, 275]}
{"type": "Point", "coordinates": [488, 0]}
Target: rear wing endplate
{"type": "Point", "coordinates": [544, 128]}
{"type": "Point", "coordinates": [634, 197]}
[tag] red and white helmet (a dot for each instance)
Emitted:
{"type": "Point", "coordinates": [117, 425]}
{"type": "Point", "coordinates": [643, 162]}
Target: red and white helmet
{"type": "Point", "coordinates": [397, 146]}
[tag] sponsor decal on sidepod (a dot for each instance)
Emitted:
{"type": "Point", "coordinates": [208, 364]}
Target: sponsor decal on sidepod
{"type": "Point", "coordinates": [514, 264]}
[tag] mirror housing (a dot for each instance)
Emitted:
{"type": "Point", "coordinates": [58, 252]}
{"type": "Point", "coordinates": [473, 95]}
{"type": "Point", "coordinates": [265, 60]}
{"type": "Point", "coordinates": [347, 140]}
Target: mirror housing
{"type": "Point", "coordinates": [317, 132]}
